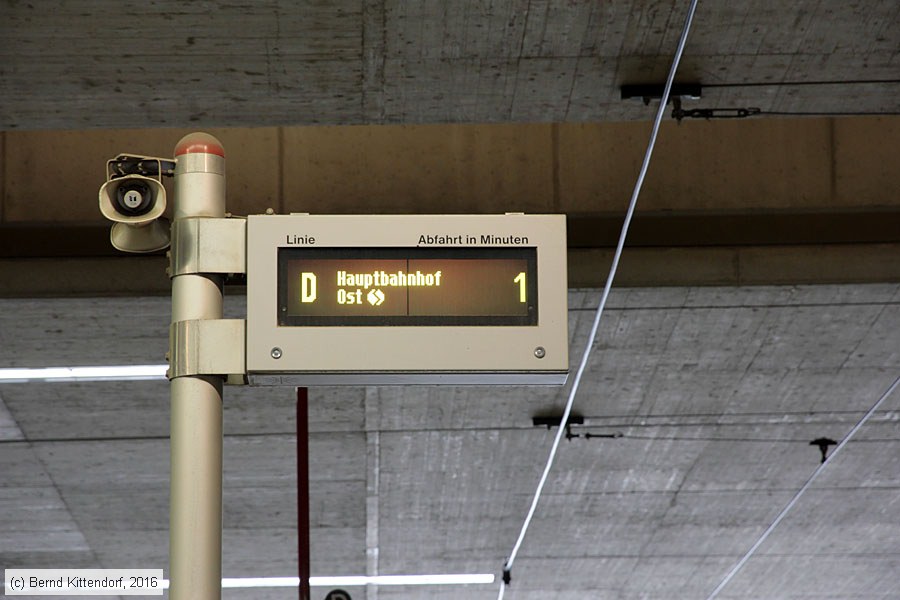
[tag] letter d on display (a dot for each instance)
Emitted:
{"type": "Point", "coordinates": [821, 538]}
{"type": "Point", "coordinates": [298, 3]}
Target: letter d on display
{"type": "Point", "coordinates": [307, 287]}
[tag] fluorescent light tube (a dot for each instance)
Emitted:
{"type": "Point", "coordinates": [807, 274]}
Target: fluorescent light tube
{"type": "Point", "coordinates": [356, 580]}
{"type": "Point", "coordinates": [101, 373]}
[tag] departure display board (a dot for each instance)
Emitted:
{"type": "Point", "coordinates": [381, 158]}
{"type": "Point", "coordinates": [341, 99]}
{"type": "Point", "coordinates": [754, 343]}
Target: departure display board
{"type": "Point", "coordinates": [416, 286]}
{"type": "Point", "coordinates": [402, 299]}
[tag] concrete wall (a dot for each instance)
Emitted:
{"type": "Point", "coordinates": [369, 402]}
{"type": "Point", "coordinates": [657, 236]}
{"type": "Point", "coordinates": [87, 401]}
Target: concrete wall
{"type": "Point", "coordinates": [725, 202]}
{"type": "Point", "coordinates": [722, 166]}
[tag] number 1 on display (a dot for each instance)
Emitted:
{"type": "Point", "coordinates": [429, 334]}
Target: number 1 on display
{"type": "Point", "coordinates": [520, 279]}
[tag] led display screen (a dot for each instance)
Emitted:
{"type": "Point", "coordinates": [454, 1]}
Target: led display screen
{"type": "Point", "coordinates": [487, 286]}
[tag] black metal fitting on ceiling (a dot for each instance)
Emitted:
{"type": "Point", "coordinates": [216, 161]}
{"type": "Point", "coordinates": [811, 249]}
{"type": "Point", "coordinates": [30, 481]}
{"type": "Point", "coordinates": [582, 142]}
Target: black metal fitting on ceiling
{"type": "Point", "coordinates": [679, 113]}
{"type": "Point", "coordinates": [823, 444]}
{"type": "Point", "coordinates": [597, 436]}
{"type": "Point", "coordinates": [654, 91]}
{"type": "Point", "coordinates": [554, 421]}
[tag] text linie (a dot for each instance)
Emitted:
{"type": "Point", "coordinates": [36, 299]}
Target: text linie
{"type": "Point", "coordinates": [299, 240]}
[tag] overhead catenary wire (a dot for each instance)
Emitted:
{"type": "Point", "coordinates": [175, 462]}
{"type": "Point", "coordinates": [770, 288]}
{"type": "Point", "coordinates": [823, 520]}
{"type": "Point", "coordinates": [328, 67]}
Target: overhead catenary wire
{"type": "Point", "coordinates": [709, 114]}
{"type": "Point", "coordinates": [784, 511]}
{"type": "Point", "coordinates": [682, 41]}
{"type": "Point", "coordinates": [833, 113]}
{"type": "Point", "coordinates": [795, 83]}
{"type": "Point", "coordinates": [755, 112]}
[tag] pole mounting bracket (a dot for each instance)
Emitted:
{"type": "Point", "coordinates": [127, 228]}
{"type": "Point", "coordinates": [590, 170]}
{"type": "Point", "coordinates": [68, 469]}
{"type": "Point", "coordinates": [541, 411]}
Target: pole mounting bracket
{"type": "Point", "coordinates": [208, 347]}
{"type": "Point", "coordinates": [208, 245]}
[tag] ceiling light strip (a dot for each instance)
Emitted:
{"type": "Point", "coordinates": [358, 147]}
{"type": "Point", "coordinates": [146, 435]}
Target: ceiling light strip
{"type": "Point", "coordinates": [92, 373]}
{"type": "Point", "coordinates": [356, 580]}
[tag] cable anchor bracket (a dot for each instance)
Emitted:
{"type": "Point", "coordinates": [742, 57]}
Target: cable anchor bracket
{"type": "Point", "coordinates": [679, 113]}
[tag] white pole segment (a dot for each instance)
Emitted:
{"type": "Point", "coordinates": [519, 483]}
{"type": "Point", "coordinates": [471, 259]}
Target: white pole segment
{"type": "Point", "coordinates": [195, 517]}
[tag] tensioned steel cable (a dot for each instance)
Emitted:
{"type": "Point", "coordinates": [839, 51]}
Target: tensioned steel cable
{"type": "Point", "coordinates": [739, 564]}
{"type": "Point", "coordinates": [507, 567]}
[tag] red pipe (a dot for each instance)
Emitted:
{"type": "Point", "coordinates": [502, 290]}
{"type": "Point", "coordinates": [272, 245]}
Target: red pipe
{"type": "Point", "coordinates": [303, 491]}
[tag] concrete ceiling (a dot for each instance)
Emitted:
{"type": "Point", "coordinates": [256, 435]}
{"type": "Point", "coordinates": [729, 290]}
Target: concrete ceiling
{"type": "Point", "coordinates": [76, 65]}
{"type": "Point", "coordinates": [712, 393]}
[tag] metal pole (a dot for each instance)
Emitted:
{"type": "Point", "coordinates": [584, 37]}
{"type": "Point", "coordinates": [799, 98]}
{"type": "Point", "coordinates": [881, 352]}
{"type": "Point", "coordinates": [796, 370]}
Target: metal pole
{"type": "Point", "coordinates": [303, 491]}
{"type": "Point", "coordinates": [195, 518]}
